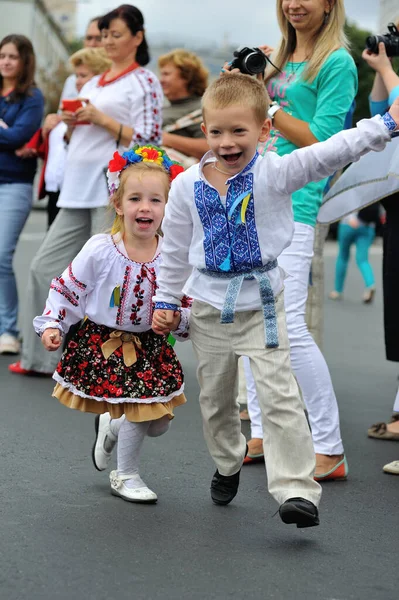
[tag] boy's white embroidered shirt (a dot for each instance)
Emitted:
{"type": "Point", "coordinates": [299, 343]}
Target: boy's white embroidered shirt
{"type": "Point", "coordinates": [199, 235]}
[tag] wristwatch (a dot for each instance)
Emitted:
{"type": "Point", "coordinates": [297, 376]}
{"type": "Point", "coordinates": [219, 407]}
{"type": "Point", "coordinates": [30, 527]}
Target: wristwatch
{"type": "Point", "coordinates": [274, 107]}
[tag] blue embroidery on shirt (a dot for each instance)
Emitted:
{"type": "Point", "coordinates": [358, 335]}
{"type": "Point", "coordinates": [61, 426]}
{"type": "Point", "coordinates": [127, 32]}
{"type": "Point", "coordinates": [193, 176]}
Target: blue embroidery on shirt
{"type": "Point", "coordinates": [245, 249]}
{"type": "Point", "coordinates": [165, 306]}
{"type": "Point", "coordinates": [229, 241]}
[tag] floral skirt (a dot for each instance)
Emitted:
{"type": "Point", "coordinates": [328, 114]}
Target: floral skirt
{"type": "Point", "coordinates": [91, 379]}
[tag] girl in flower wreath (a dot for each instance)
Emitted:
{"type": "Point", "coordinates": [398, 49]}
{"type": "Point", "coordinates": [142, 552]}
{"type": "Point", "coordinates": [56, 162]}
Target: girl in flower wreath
{"type": "Point", "coordinates": [115, 365]}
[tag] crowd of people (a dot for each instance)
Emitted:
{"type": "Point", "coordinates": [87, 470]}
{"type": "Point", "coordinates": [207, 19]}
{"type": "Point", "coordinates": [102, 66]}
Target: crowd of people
{"type": "Point", "coordinates": [233, 174]}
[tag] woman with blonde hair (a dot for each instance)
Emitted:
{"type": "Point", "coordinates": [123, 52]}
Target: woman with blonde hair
{"type": "Point", "coordinates": [94, 59]}
{"type": "Point", "coordinates": [312, 87]}
{"type": "Point", "coordinates": [184, 79]}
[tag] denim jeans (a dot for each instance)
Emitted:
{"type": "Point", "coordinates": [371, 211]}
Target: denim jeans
{"type": "Point", "coordinates": [15, 206]}
{"type": "Point", "coordinates": [362, 236]}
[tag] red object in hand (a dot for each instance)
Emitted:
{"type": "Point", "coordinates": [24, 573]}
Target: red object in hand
{"type": "Point", "coordinates": [73, 106]}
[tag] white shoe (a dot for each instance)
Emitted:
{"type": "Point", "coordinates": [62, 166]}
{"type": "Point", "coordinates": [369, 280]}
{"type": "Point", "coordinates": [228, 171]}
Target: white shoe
{"type": "Point", "coordinates": [104, 442]}
{"type": "Point", "coordinates": [141, 494]}
{"type": "Point", "coordinates": [392, 467]}
{"type": "Point", "coordinates": [9, 344]}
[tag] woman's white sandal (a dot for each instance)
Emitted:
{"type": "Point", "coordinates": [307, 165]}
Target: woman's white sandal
{"type": "Point", "coordinates": [118, 488]}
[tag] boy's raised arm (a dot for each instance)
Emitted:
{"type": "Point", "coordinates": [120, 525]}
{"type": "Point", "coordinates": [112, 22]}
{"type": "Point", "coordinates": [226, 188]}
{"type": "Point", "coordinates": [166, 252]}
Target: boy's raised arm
{"type": "Point", "coordinates": [313, 163]}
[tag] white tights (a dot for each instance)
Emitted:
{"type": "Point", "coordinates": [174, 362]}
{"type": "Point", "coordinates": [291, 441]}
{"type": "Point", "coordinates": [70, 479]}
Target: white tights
{"type": "Point", "coordinates": [130, 440]}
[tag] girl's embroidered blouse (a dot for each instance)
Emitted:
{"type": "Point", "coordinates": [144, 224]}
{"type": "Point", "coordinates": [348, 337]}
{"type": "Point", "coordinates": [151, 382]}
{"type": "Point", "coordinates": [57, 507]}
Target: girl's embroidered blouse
{"type": "Point", "coordinates": [95, 278]}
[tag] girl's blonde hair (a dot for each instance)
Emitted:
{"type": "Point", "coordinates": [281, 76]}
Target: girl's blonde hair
{"type": "Point", "coordinates": [139, 170]}
{"type": "Point", "coordinates": [330, 37]}
{"type": "Point", "coordinates": [94, 58]}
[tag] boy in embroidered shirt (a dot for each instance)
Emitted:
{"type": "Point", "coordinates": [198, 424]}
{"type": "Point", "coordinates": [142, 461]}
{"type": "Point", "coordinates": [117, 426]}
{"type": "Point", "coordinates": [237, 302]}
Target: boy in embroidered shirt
{"type": "Point", "coordinates": [227, 221]}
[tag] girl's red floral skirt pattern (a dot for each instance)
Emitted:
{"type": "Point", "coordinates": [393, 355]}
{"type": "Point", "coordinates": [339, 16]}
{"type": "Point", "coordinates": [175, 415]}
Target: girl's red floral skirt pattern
{"type": "Point", "coordinates": [157, 374]}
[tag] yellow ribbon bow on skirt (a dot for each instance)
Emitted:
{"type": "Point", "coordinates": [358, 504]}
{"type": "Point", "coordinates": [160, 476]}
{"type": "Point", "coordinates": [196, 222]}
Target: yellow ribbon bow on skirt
{"type": "Point", "coordinates": [129, 343]}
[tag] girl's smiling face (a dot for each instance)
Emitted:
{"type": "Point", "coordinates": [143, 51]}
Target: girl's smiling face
{"type": "Point", "coordinates": [143, 201]}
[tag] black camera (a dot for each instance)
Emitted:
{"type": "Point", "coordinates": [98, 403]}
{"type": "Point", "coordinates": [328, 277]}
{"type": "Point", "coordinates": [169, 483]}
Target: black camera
{"type": "Point", "coordinates": [250, 61]}
{"type": "Point", "coordinates": [391, 41]}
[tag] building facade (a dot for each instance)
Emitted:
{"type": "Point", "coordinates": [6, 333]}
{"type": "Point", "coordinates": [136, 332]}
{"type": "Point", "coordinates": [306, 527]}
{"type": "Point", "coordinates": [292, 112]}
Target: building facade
{"type": "Point", "coordinates": [31, 18]}
{"type": "Point", "coordinates": [64, 14]}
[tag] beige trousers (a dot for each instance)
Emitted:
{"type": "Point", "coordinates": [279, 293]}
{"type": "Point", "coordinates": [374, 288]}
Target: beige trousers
{"type": "Point", "coordinates": [287, 441]}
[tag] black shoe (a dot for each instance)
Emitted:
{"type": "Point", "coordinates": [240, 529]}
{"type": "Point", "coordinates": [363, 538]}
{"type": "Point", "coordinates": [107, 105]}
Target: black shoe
{"type": "Point", "coordinates": [299, 511]}
{"type": "Point", "coordinates": [224, 487]}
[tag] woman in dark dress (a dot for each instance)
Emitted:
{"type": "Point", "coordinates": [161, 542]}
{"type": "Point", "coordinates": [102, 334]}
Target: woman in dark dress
{"type": "Point", "coordinates": [385, 90]}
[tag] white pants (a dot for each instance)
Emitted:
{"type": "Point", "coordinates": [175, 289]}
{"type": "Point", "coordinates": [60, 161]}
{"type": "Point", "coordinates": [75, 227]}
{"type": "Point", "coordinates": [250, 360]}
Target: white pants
{"type": "Point", "coordinates": [287, 442]}
{"type": "Point", "coordinates": [308, 363]}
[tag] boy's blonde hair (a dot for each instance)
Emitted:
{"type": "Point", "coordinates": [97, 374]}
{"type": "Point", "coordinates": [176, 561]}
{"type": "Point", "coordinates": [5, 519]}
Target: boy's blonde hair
{"type": "Point", "coordinates": [330, 37]}
{"type": "Point", "coordinates": [94, 59]}
{"type": "Point", "coordinates": [139, 170]}
{"type": "Point", "coordinates": [191, 68]}
{"type": "Point", "coordinates": [237, 89]}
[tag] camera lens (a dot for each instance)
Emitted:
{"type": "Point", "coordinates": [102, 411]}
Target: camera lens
{"type": "Point", "coordinates": [372, 43]}
{"type": "Point", "coordinates": [255, 63]}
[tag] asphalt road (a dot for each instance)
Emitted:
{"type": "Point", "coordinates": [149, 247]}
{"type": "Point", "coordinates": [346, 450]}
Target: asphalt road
{"type": "Point", "coordinates": [64, 537]}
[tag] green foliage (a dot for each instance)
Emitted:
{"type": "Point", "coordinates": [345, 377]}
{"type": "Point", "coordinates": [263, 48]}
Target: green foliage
{"type": "Point", "coordinates": [75, 45]}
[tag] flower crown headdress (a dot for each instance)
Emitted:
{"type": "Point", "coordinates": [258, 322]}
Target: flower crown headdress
{"type": "Point", "coordinates": [138, 154]}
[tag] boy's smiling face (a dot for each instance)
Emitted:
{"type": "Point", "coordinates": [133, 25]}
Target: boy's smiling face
{"type": "Point", "coordinates": [233, 134]}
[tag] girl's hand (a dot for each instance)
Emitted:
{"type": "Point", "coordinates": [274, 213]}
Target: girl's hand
{"type": "Point", "coordinates": [51, 339]}
{"type": "Point", "coordinates": [394, 112]}
{"type": "Point", "coordinates": [69, 118]}
{"type": "Point", "coordinates": [379, 61]}
{"type": "Point", "coordinates": [354, 222]}
{"type": "Point", "coordinates": [165, 321]}
{"type": "Point", "coordinates": [89, 113]}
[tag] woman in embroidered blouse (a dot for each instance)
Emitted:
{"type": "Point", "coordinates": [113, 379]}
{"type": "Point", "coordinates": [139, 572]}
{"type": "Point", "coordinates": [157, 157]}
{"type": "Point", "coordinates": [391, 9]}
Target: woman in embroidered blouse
{"type": "Point", "coordinates": [122, 105]}
{"type": "Point", "coordinates": [384, 91]}
{"type": "Point", "coordinates": [115, 365]}
{"type": "Point", "coordinates": [21, 112]}
{"type": "Point", "coordinates": [312, 94]}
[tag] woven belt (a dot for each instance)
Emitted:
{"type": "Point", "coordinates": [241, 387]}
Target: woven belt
{"type": "Point", "coordinates": [266, 296]}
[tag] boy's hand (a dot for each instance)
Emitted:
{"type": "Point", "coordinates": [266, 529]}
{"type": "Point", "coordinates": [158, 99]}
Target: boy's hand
{"type": "Point", "coordinates": [165, 321]}
{"type": "Point", "coordinates": [394, 112]}
{"type": "Point", "coordinates": [51, 339]}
